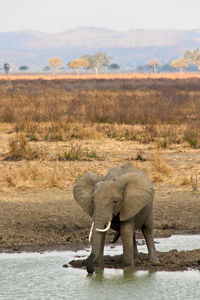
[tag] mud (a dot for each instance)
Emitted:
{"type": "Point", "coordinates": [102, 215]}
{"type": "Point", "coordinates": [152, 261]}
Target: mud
{"type": "Point", "coordinates": [169, 261]}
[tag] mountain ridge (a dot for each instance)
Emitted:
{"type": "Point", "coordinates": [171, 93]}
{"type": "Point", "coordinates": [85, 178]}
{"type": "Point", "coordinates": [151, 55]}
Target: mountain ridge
{"type": "Point", "coordinates": [34, 48]}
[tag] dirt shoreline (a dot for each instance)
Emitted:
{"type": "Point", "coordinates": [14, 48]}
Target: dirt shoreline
{"type": "Point", "coordinates": [74, 245]}
{"type": "Point", "coordinates": [169, 261]}
{"type": "Point", "coordinates": [44, 220]}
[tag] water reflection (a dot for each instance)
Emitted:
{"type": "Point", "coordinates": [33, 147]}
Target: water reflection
{"type": "Point", "coordinates": [41, 276]}
{"type": "Point", "coordinates": [143, 285]}
{"type": "Point", "coordinates": [120, 277]}
{"type": "Point", "coordinates": [178, 242]}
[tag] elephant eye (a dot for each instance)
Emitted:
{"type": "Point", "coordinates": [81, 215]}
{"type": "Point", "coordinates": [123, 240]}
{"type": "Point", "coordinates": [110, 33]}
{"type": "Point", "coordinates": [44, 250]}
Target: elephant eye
{"type": "Point", "coordinates": [115, 200]}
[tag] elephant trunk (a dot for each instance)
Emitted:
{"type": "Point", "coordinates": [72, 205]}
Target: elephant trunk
{"type": "Point", "coordinates": [90, 263]}
{"type": "Point", "coordinates": [96, 255]}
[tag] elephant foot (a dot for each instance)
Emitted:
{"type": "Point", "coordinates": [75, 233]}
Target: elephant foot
{"type": "Point", "coordinates": [90, 264]}
{"type": "Point", "coordinates": [154, 260]}
{"type": "Point", "coordinates": [99, 266]}
{"type": "Point", "coordinates": [128, 269]}
{"type": "Point", "coordinates": [128, 265]}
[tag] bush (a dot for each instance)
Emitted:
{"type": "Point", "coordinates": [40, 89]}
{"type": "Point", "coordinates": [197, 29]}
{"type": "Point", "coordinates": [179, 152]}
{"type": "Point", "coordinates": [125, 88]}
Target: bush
{"type": "Point", "coordinates": [19, 149]}
{"type": "Point", "coordinates": [192, 134]}
{"type": "Point", "coordinates": [77, 152]}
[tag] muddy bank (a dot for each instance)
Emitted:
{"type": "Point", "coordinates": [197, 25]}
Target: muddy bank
{"type": "Point", "coordinates": [169, 261]}
{"type": "Point", "coordinates": [41, 220]}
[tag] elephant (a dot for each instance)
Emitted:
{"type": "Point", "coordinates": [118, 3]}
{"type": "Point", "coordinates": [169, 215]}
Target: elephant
{"type": "Point", "coordinates": [122, 200]}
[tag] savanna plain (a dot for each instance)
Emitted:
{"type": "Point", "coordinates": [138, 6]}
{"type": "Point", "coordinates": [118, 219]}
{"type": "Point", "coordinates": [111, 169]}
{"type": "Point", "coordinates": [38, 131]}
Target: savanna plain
{"type": "Point", "coordinates": [54, 131]}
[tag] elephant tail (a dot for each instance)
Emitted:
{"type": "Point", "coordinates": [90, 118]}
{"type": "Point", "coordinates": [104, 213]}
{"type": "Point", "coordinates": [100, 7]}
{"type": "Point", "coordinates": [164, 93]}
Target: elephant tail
{"type": "Point", "coordinates": [116, 237]}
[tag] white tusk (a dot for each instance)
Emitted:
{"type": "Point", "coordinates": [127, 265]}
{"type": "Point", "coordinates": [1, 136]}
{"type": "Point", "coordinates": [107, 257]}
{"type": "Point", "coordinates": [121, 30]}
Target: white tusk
{"type": "Point", "coordinates": [91, 230]}
{"type": "Point", "coordinates": [105, 229]}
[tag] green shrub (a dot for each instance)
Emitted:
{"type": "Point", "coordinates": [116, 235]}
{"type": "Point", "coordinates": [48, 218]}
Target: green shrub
{"type": "Point", "coordinates": [164, 143]}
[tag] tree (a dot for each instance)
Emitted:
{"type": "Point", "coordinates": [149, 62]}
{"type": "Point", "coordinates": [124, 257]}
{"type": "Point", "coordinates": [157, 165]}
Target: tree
{"type": "Point", "coordinates": [144, 68]}
{"type": "Point", "coordinates": [78, 64]}
{"type": "Point", "coordinates": [97, 61]}
{"type": "Point", "coordinates": [166, 68]}
{"type": "Point", "coordinates": [23, 68]}
{"type": "Point", "coordinates": [54, 62]}
{"type": "Point", "coordinates": [46, 68]}
{"type": "Point", "coordinates": [6, 68]}
{"type": "Point", "coordinates": [61, 68]}
{"type": "Point", "coordinates": [154, 63]}
{"type": "Point", "coordinates": [193, 56]}
{"type": "Point", "coordinates": [181, 63]}
{"type": "Point", "coordinates": [114, 67]}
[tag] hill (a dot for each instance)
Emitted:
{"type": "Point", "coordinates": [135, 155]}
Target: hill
{"type": "Point", "coordinates": [128, 48]}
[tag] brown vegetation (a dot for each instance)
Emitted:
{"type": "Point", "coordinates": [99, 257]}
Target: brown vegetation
{"type": "Point", "coordinates": [86, 76]}
{"type": "Point", "coordinates": [65, 109]}
{"type": "Point", "coordinates": [79, 115]}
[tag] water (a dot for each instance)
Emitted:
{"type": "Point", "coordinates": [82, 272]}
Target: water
{"type": "Point", "coordinates": [179, 242]}
{"type": "Point", "coordinates": [41, 276]}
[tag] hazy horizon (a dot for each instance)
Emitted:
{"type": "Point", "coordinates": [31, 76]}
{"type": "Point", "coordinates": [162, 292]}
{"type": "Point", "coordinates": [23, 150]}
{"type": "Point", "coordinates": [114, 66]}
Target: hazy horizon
{"type": "Point", "coordinates": [51, 16]}
{"type": "Point", "coordinates": [99, 27]}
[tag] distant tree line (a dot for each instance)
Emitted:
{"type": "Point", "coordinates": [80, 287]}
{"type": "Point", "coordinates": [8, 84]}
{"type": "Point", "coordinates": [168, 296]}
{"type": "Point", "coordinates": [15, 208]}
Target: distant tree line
{"type": "Point", "coordinates": [190, 61]}
{"type": "Point", "coordinates": [95, 62]}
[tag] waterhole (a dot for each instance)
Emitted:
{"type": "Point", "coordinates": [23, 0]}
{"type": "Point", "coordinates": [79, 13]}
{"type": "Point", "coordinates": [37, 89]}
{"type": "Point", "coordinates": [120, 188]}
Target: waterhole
{"type": "Point", "coordinates": [41, 276]}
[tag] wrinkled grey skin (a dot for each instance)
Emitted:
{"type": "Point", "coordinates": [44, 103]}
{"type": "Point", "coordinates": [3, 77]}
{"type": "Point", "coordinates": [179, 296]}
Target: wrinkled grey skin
{"type": "Point", "coordinates": [124, 197]}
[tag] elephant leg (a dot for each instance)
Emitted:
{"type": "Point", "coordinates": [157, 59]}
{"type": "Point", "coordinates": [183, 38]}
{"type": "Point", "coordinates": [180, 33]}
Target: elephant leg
{"type": "Point", "coordinates": [99, 263]}
{"type": "Point", "coordinates": [126, 231]}
{"type": "Point", "coordinates": [147, 230]}
{"type": "Point", "coordinates": [135, 252]}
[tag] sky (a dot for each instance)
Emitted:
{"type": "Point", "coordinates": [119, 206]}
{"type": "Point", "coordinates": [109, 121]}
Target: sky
{"type": "Point", "coordinates": [60, 15]}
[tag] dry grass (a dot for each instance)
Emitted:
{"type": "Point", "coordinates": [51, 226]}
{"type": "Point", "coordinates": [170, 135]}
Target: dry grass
{"type": "Point", "coordinates": [166, 134]}
{"type": "Point", "coordinates": [147, 101]}
{"type": "Point", "coordinates": [166, 167]}
{"type": "Point", "coordinates": [19, 149]}
{"type": "Point", "coordinates": [55, 131]}
{"type": "Point", "coordinates": [159, 163]}
{"type": "Point", "coordinates": [76, 151]}
{"type": "Point", "coordinates": [194, 182]}
{"type": "Point", "coordinates": [100, 76]}
{"type": "Point", "coordinates": [58, 131]}
{"type": "Point", "coordinates": [29, 175]}
{"type": "Point", "coordinates": [144, 110]}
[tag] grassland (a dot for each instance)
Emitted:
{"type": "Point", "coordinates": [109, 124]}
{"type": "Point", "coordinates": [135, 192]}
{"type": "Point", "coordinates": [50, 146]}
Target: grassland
{"type": "Point", "coordinates": [52, 131]}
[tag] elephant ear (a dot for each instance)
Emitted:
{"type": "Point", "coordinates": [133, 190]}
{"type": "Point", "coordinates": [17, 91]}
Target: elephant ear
{"type": "Point", "coordinates": [83, 191]}
{"type": "Point", "coordinates": [137, 193]}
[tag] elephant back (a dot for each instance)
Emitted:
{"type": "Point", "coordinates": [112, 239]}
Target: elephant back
{"type": "Point", "coordinates": [128, 167]}
{"type": "Point", "coordinates": [113, 174]}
